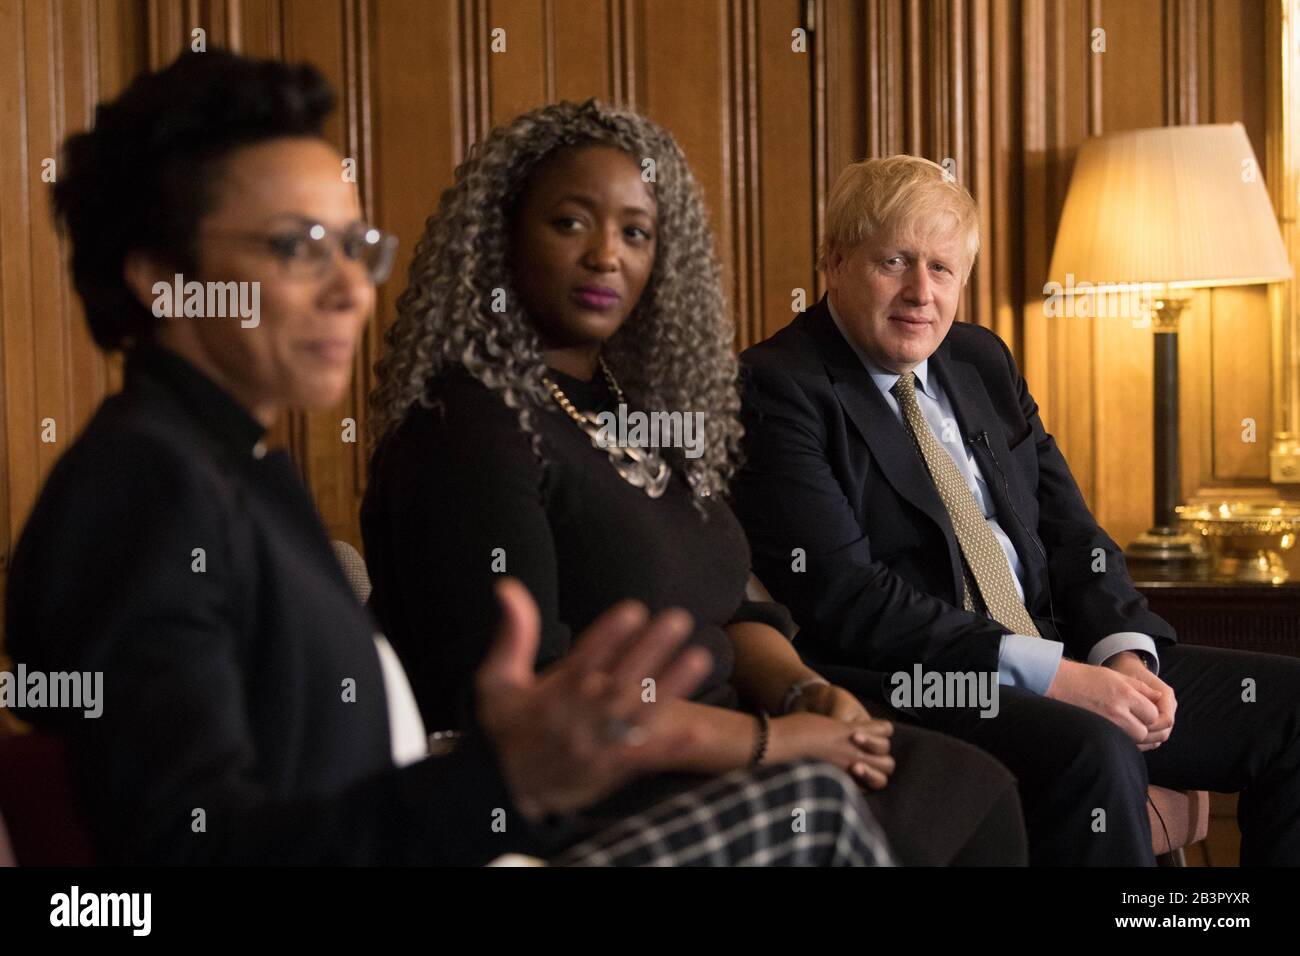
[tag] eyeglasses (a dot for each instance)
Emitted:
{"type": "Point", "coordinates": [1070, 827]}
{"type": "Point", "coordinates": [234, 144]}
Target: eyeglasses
{"type": "Point", "coordinates": [307, 251]}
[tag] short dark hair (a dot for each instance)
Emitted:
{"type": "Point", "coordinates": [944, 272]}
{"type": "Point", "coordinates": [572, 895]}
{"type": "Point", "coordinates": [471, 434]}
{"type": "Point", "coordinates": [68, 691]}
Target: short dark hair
{"type": "Point", "coordinates": [141, 178]}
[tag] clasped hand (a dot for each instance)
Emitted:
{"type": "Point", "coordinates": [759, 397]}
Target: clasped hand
{"type": "Point", "coordinates": [1123, 691]}
{"type": "Point", "coordinates": [829, 723]}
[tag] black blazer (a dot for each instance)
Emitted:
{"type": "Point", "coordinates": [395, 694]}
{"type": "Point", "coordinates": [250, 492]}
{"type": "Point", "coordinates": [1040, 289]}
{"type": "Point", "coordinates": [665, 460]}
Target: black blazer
{"type": "Point", "coordinates": [831, 470]}
{"type": "Point", "coordinates": [223, 688]}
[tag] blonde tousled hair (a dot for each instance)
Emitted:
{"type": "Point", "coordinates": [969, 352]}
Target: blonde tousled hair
{"type": "Point", "coordinates": [898, 195]}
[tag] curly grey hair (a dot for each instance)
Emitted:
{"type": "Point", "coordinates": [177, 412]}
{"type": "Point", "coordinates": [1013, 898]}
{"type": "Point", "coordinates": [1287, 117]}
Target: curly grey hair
{"type": "Point", "coordinates": [674, 352]}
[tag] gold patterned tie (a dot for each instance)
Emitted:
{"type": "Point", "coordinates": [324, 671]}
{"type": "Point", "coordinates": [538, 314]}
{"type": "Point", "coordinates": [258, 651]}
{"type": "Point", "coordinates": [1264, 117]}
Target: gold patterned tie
{"type": "Point", "coordinates": [984, 559]}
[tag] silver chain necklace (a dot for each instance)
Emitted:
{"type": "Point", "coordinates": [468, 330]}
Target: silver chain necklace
{"type": "Point", "coordinates": [640, 468]}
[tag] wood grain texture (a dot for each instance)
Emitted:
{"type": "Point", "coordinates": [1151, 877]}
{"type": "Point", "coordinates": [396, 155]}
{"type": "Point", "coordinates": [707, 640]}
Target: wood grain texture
{"type": "Point", "coordinates": [56, 60]}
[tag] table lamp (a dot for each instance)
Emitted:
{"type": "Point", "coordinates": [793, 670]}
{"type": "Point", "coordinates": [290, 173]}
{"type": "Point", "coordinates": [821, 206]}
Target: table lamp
{"type": "Point", "coordinates": [1153, 214]}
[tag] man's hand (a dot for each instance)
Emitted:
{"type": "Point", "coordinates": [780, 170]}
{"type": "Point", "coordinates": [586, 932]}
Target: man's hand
{"type": "Point", "coordinates": [579, 730]}
{"type": "Point", "coordinates": [1161, 694]}
{"type": "Point", "coordinates": [1123, 700]}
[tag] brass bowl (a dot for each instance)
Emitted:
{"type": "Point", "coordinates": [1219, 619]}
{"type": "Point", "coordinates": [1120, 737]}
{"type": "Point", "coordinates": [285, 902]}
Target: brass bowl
{"type": "Point", "coordinates": [1247, 538]}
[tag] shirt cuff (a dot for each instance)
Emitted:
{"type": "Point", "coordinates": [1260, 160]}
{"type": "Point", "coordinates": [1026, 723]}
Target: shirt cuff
{"type": "Point", "coordinates": [1112, 644]}
{"type": "Point", "coordinates": [1028, 662]}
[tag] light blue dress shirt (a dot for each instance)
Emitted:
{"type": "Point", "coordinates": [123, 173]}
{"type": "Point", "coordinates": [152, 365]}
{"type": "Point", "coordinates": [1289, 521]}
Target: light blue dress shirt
{"type": "Point", "coordinates": [1023, 661]}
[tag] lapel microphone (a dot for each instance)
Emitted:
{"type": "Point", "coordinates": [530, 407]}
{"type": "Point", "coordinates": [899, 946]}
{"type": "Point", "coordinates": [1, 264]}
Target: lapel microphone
{"type": "Point", "coordinates": [982, 437]}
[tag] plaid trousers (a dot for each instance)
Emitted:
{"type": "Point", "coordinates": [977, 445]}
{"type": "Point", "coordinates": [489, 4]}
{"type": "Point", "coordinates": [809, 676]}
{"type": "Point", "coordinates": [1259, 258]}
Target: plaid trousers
{"type": "Point", "coordinates": [803, 813]}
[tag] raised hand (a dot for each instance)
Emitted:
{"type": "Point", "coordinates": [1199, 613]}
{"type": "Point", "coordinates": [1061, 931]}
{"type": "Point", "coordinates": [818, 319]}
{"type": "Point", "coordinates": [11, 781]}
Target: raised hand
{"type": "Point", "coordinates": [582, 728]}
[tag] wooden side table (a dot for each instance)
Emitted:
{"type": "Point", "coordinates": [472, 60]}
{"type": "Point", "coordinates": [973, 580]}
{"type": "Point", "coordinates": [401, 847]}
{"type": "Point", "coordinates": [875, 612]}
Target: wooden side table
{"type": "Point", "coordinates": [1237, 615]}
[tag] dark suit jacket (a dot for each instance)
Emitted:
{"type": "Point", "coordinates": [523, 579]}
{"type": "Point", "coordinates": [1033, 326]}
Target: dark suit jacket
{"type": "Point", "coordinates": [830, 469]}
{"type": "Point", "coordinates": [223, 688]}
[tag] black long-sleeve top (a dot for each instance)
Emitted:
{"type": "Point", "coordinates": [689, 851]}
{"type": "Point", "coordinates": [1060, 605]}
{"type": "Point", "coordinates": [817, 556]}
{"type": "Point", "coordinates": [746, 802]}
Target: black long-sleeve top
{"type": "Point", "coordinates": [223, 668]}
{"type": "Point", "coordinates": [457, 497]}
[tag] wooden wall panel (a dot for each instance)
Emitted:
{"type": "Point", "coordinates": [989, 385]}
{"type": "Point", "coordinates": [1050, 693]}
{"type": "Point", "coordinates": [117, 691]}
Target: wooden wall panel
{"type": "Point", "coordinates": [1240, 384]}
{"type": "Point", "coordinates": [86, 369]}
{"type": "Point", "coordinates": [258, 29]}
{"type": "Point", "coordinates": [414, 161]}
{"type": "Point", "coordinates": [1137, 90]}
{"type": "Point", "coordinates": [783, 167]}
{"type": "Point", "coordinates": [417, 135]}
{"type": "Point", "coordinates": [845, 87]}
{"type": "Point", "coordinates": [325, 33]}
{"type": "Point", "coordinates": [580, 61]}
{"type": "Point", "coordinates": [681, 68]}
{"type": "Point", "coordinates": [521, 76]}
{"type": "Point", "coordinates": [51, 350]}
{"type": "Point", "coordinates": [1076, 112]}
{"type": "Point", "coordinates": [22, 469]}
{"type": "Point", "coordinates": [56, 60]}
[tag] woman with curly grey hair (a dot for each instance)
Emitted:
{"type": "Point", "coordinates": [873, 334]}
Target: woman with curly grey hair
{"type": "Point", "coordinates": [559, 403]}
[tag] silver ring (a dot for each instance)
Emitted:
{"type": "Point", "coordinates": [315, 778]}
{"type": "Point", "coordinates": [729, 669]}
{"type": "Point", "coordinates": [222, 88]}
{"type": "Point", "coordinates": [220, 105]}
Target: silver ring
{"type": "Point", "coordinates": [620, 731]}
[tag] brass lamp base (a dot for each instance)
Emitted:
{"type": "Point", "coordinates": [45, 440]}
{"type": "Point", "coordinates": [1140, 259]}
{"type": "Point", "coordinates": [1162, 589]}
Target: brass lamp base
{"type": "Point", "coordinates": [1165, 551]}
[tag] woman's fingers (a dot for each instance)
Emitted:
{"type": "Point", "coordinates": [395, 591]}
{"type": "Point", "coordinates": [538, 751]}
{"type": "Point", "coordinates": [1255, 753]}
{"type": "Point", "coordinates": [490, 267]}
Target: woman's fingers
{"type": "Point", "coordinates": [873, 777]}
{"type": "Point", "coordinates": [684, 674]}
{"type": "Point", "coordinates": [653, 648]}
{"type": "Point", "coordinates": [872, 763]}
{"type": "Point", "coordinates": [871, 743]}
{"type": "Point", "coordinates": [599, 646]}
{"type": "Point", "coordinates": [639, 715]}
{"type": "Point", "coordinates": [844, 706]}
{"type": "Point", "coordinates": [874, 728]}
{"type": "Point", "coordinates": [510, 659]}
{"type": "Point", "coordinates": [884, 728]}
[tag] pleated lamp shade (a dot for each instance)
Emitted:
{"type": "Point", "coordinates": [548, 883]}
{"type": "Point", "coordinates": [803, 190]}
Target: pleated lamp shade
{"type": "Point", "coordinates": [1183, 206]}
